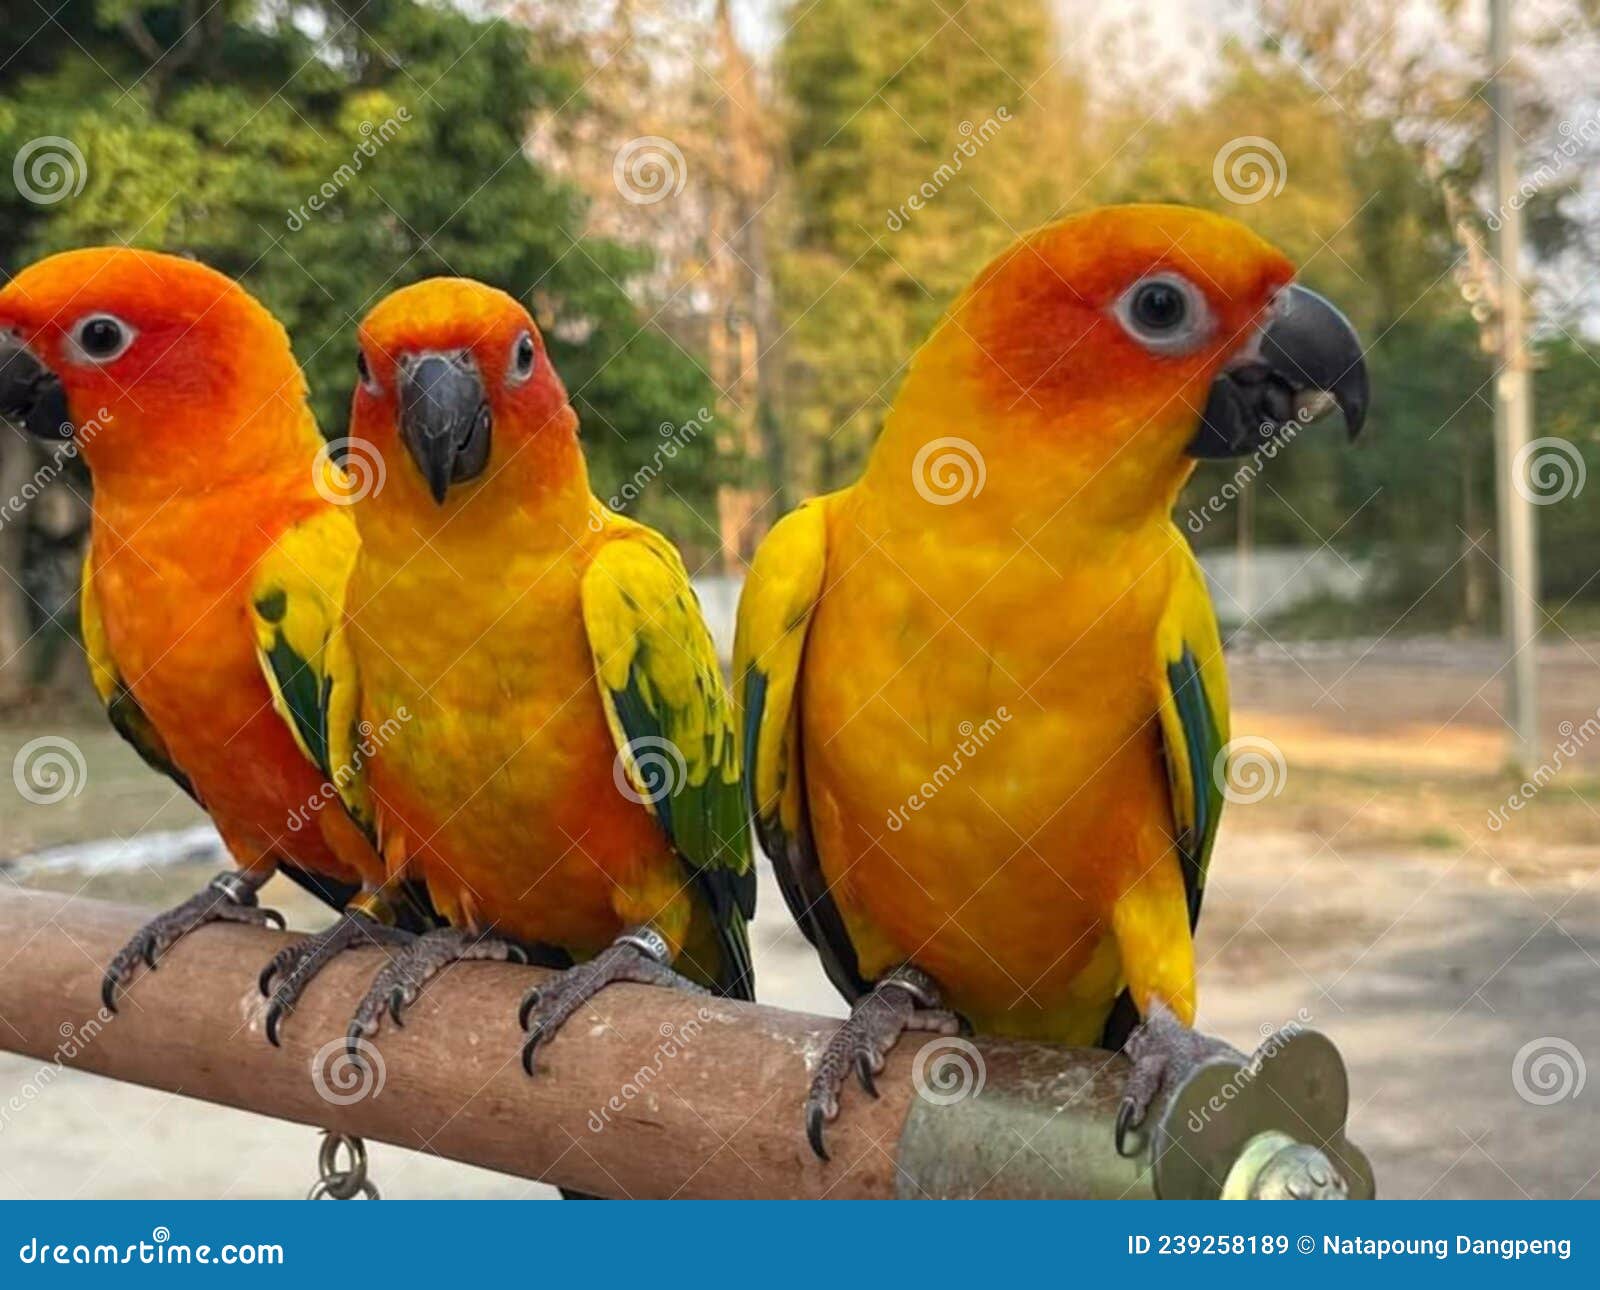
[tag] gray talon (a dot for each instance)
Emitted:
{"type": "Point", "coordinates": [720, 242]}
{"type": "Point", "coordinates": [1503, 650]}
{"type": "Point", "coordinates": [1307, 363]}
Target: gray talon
{"type": "Point", "coordinates": [400, 981]}
{"type": "Point", "coordinates": [230, 901]}
{"type": "Point", "coordinates": [906, 999]}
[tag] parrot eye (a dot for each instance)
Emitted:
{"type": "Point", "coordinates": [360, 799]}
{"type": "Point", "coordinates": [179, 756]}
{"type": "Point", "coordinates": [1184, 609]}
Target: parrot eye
{"type": "Point", "coordinates": [364, 371]}
{"type": "Point", "coordinates": [523, 354]}
{"type": "Point", "coordinates": [1159, 306]}
{"type": "Point", "coordinates": [100, 338]}
{"type": "Point", "coordinates": [1164, 313]}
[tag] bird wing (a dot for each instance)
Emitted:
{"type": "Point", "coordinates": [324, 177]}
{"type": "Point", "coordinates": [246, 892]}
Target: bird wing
{"type": "Point", "coordinates": [672, 722]}
{"type": "Point", "coordinates": [297, 609]}
{"type": "Point", "coordinates": [780, 595]}
{"type": "Point", "coordinates": [128, 719]}
{"type": "Point", "coordinates": [1192, 682]}
{"type": "Point", "coordinates": [1194, 721]}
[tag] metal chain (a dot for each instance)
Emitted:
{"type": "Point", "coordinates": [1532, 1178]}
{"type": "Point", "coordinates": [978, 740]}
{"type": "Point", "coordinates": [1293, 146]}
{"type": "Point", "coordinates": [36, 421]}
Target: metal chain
{"type": "Point", "coordinates": [342, 1184]}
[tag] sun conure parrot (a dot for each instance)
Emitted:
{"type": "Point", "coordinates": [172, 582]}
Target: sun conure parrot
{"type": "Point", "coordinates": [182, 395]}
{"type": "Point", "coordinates": [982, 688]}
{"type": "Point", "coordinates": [568, 773]}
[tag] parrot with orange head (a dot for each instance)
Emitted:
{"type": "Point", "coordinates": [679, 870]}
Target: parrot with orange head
{"type": "Point", "coordinates": [984, 704]}
{"type": "Point", "coordinates": [183, 397]}
{"type": "Point", "coordinates": [567, 775]}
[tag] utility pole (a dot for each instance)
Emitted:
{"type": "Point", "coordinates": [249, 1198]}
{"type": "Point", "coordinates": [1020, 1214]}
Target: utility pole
{"type": "Point", "coordinates": [1519, 561]}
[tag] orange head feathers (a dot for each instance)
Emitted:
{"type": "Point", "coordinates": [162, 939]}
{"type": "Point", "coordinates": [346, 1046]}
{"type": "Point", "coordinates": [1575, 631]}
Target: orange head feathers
{"type": "Point", "coordinates": [1162, 327]}
{"type": "Point", "coordinates": [454, 374]}
{"type": "Point", "coordinates": [155, 362]}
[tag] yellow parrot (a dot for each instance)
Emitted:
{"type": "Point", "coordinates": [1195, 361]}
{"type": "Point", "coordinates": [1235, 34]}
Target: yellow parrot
{"type": "Point", "coordinates": [551, 744]}
{"type": "Point", "coordinates": [984, 705]}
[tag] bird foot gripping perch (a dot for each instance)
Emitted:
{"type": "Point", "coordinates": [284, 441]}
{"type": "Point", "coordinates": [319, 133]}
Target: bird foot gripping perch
{"type": "Point", "coordinates": [229, 897]}
{"type": "Point", "coordinates": [1271, 1126]}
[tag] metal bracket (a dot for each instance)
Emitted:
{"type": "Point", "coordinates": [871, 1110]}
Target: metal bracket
{"type": "Point", "coordinates": [1271, 1126]}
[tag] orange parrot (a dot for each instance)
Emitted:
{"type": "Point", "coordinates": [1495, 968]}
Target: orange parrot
{"type": "Point", "coordinates": [985, 708]}
{"type": "Point", "coordinates": [180, 391]}
{"type": "Point", "coordinates": [566, 773]}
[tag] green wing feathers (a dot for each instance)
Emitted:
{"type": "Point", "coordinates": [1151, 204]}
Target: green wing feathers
{"type": "Point", "coordinates": [1194, 724]}
{"type": "Point", "coordinates": [673, 725]}
{"type": "Point", "coordinates": [297, 609]}
{"type": "Point", "coordinates": [775, 611]}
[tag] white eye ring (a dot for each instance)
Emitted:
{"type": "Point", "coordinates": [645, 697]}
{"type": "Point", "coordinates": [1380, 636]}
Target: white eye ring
{"type": "Point", "coordinates": [524, 359]}
{"type": "Point", "coordinates": [1192, 329]}
{"type": "Point", "coordinates": [369, 382]}
{"type": "Point", "coordinates": [100, 338]}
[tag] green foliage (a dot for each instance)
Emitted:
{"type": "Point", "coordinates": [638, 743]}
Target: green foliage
{"type": "Point", "coordinates": [326, 163]}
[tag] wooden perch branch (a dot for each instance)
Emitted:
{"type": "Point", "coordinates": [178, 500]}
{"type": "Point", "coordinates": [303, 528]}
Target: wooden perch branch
{"type": "Point", "coordinates": [648, 1093]}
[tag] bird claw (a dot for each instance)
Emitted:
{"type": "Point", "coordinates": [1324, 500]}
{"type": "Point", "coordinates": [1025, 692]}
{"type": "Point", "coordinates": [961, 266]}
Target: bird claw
{"type": "Point", "coordinates": [1163, 1051]}
{"type": "Point", "coordinates": [545, 1009]}
{"type": "Point", "coordinates": [816, 1114]}
{"type": "Point", "coordinates": [906, 999]}
{"type": "Point", "coordinates": [864, 1074]}
{"type": "Point", "coordinates": [400, 981]}
{"type": "Point", "coordinates": [227, 898]}
{"type": "Point", "coordinates": [295, 966]}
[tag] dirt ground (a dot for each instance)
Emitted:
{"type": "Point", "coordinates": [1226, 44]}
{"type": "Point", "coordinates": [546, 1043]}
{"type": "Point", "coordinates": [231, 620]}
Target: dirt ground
{"type": "Point", "coordinates": [1381, 886]}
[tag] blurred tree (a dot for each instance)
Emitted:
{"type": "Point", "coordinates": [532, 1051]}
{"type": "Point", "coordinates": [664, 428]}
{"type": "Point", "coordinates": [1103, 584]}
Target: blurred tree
{"type": "Point", "coordinates": [899, 187]}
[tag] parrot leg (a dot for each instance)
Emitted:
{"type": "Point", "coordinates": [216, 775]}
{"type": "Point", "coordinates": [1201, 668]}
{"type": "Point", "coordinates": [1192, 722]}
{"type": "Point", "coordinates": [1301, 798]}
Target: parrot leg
{"type": "Point", "coordinates": [401, 979]}
{"type": "Point", "coordinates": [906, 999]}
{"type": "Point", "coordinates": [640, 955]}
{"type": "Point", "coordinates": [294, 967]}
{"type": "Point", "coordinates": [228, 898]}
{"type": "Point", "coordinates": [1163, 1051]}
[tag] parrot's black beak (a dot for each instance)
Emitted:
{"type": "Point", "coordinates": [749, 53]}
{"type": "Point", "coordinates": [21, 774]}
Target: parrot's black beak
{"type": "Point", "coordinates": [31, 395]}
{"type": "Point", "coordinates": [1306, 359]}
{"type": "Point", "coordinates": [445, 421]}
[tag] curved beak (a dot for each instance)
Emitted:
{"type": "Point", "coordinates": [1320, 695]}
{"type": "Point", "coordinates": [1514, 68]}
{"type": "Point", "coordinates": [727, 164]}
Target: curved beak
{"type": "Point", "coordinates": [1306, 359]}
{"type": "Point", "coordinates": [445, 421]}
{"type": "Point", "coordinates": [31, 395]}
